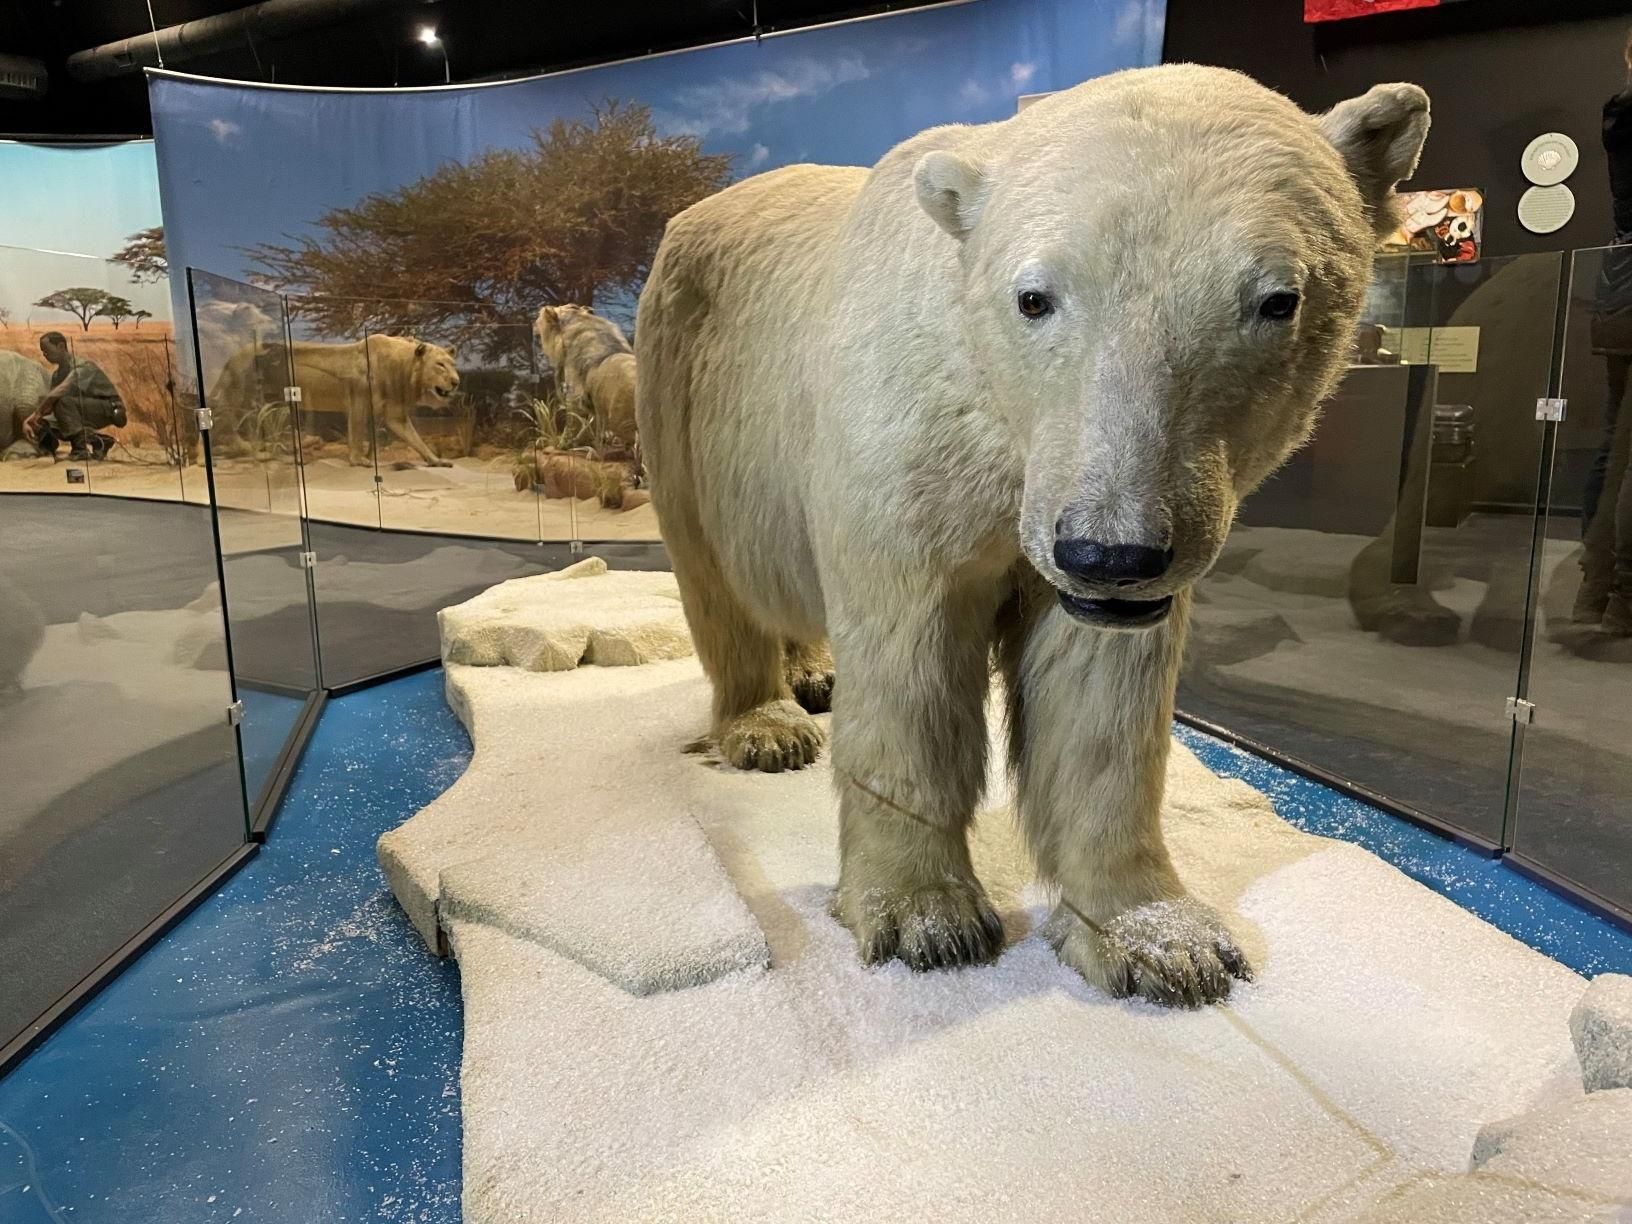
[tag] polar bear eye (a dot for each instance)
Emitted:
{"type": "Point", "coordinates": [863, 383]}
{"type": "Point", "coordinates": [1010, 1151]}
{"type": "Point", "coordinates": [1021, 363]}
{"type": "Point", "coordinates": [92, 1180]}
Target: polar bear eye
{"type": "Point", "coordinates": [1034, 305]}
{"type": "Point", "coordinates": [1278, 307]}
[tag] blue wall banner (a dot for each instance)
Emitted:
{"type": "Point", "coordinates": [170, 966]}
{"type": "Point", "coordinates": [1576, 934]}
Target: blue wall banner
{"type": "Point", "coordinates": [493, 200]}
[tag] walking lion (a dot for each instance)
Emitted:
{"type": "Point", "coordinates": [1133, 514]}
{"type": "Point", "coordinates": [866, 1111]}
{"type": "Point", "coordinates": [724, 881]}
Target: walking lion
{"type": "Point", "coordinates": [392, 375]}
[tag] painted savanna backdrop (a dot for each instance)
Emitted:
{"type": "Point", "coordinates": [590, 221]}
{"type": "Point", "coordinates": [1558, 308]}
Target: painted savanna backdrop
{"type": "Point", "coordinates": [83, 254]}
{"type": "Point", "coordinates": [454, 217]}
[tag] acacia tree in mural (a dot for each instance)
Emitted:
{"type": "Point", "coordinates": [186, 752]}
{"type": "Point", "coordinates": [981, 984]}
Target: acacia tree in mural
{"type": "Point", "coordinates": [81, 302]}
{"type": "Point", "coordinates": [143, 253]}
{"type": "Point", "coordinates": [574, 217]}
{"type": "Point", "coordinates": [115, 309]}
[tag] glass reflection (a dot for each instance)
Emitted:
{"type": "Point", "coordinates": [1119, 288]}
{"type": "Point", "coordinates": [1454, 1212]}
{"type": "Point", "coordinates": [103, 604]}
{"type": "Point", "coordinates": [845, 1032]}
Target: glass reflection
{"type": "Point", "coordinates": [1367, 614]}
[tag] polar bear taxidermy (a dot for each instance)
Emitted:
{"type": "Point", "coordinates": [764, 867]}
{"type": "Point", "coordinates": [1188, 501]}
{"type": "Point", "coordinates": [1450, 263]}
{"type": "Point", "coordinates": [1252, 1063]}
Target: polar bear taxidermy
{"type": "Point", "coordinates": [997, 398]}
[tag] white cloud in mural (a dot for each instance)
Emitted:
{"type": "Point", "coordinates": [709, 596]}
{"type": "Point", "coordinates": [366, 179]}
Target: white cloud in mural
{"type": "Point", "coordinates": [224, 130]}
{"type": "Point", "coordinates": [726, 106]}
{"type": "Point", "coordinates": [758, 156]}
{"type": "Point", "coordinates": [973, 94]}
{"type": "Point", "coordinates": [1020, 75]}
{"type": "Point", "coordinates": [1130, 24]}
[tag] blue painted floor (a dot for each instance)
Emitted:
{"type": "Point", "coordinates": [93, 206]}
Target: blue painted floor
{"type": "Point", "coordinates": [1498, 894]}
{"type": "Point", "coordinates": [289, 1053]}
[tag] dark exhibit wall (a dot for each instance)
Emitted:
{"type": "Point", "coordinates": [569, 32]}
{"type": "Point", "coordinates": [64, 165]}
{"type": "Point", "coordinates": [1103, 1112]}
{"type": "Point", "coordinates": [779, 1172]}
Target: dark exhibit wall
{"type": "Point", "coordinates": [1499, 72]}
{"type": "Point", "coordinates": [1387, 656]}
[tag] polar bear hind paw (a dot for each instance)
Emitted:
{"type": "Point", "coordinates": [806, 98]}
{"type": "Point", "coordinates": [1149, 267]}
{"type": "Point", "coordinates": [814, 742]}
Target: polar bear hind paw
{"type": "Point", "coordinates": [937, 927]}
{"type": "Point", "coordinates": [813, 691]}
{"type": "Point", "coordinates": [771, 738]}
{"type": "Point", "coordinates": [1176, 953]}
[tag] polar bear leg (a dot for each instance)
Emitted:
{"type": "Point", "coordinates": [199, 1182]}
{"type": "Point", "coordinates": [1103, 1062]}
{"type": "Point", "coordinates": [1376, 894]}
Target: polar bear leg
{"type": "Point", "coordinates": [809, 670]}
{"type": "Point", "coordinates": [757, 724]}
{"type": "Point", "coordinates": [909, 759]}
{"type": "Point", "coordinates": [1090, 727]}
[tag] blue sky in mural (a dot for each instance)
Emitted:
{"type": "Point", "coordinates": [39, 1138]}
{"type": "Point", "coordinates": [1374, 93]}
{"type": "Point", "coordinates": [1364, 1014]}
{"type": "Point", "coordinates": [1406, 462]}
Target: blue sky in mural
{"type": "Point", "coordinates": [79, 202]}
{"type": "Point", "coordinates": [246, 165]}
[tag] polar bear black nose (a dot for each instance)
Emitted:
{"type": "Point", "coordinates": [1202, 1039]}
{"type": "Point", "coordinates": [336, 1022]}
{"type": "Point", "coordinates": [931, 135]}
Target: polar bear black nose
{"type": "Point", "coordinates": [1119, 564]}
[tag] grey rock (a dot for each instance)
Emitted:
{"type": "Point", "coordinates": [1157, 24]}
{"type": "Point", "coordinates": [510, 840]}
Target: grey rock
{"type": "Point", "coordinates": [1601, 1027]}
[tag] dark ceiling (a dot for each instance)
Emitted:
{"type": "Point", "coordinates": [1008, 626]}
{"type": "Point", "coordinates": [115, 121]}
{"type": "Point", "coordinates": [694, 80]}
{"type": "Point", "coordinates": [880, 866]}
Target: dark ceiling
{"type": "Point", "coordinates": [483, 39]}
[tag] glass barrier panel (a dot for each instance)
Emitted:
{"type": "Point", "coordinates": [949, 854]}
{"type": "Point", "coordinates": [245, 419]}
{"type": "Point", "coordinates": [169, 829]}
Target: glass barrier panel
{"type": "Point", "coordinates": [453, 418]}
{"type": "Point", "coordinates": [1574, 816]}
{"type": "Point", "coordinates": [1367, 612]}
{"type": "Point", "coordinates": [378, 592]}
{"type": "Point", "coordinates": [123, 790]}
{"type": "Point", "coordinates": [460, 420]}
{"type": "Point", "coordinates": [255, 439]}
{"type": "Point", "coordinates": [340, 476]}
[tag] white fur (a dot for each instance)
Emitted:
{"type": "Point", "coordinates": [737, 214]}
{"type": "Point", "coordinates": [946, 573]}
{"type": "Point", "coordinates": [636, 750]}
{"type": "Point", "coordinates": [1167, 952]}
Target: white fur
{"type": "Point", "coordinates": [852, 432]}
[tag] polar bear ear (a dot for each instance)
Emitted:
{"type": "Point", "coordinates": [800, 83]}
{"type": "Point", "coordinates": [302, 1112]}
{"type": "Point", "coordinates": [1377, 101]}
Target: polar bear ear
{"type": "Point", "coordinates": [951, 190]}
{"type": "Point", "coordinates": [1379, 136]}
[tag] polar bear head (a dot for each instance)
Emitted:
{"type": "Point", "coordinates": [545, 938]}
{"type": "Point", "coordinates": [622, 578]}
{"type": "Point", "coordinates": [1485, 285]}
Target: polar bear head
{"type": "Point", "coordinates": [1160, 272]}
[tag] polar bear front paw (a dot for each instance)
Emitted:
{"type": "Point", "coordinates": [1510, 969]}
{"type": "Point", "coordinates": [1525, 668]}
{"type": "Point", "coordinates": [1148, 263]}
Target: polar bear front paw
{"type": "Point", "coordinates": [1177, 953]}
{"type": "Point", "coordinates": [772, 737]}
{"type": "Point", "coordinates": [936, 927]}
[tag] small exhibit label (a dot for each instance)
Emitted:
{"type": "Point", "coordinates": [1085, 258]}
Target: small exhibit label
{"type": "Point", "coordinates": [1455, 350]}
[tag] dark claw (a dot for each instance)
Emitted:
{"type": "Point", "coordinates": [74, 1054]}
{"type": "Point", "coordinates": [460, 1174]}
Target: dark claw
{"type": "Point", "coordinates": [1235, 962]}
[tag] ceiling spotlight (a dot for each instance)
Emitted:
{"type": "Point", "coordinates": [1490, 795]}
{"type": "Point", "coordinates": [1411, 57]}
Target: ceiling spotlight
{"type": "Point", "coordinates": [427, 35]}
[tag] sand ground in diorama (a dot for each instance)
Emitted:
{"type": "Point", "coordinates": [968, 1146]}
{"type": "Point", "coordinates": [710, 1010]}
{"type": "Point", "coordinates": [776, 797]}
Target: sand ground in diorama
{"type": "Point", "coordinates": [1386, 1027]}
{"type": "Point", "coordinates": [473, 497]}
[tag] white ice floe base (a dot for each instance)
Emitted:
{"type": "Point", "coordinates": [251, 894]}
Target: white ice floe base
{"type": "Point", "coordinates": [587, 861]}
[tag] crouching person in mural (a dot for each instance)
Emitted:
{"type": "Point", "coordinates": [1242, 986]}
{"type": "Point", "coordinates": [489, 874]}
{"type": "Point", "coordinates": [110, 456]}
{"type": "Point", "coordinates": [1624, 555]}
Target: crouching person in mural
{"type": "Point", "coordinates": [81, 403]}
{"type": "Point", "coordinates": [999, 396]}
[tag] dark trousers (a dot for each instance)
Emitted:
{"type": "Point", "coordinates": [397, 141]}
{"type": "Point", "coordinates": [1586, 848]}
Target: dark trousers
{"type": "Point", "coordinates": [1616, 369]}
{"type": "Point", "coordinates": [1606, 498]}
{"type": "Point", "coordinates": [74, 416]}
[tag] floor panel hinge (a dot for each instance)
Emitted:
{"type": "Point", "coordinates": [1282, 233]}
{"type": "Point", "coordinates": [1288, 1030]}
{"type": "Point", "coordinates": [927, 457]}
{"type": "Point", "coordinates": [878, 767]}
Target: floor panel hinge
{"type": "Point", "coordinates": [1520, 710]}
{"type": "Point", "coordinates": [235, 713]}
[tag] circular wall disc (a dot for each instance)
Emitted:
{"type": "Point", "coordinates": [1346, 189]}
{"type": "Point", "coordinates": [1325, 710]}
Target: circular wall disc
{"type": "Point", "coordinates": [1545, 209]}
{"type": "Point", "coordinates": [1549, 159]}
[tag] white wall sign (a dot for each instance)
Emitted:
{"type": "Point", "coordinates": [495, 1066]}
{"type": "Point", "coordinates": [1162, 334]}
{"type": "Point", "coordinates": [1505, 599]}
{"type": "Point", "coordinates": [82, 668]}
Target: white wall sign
{"type": "Point", "coordinates": [1550, 159]}
{"type": "Point", "coordinates": [1545, 209]}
